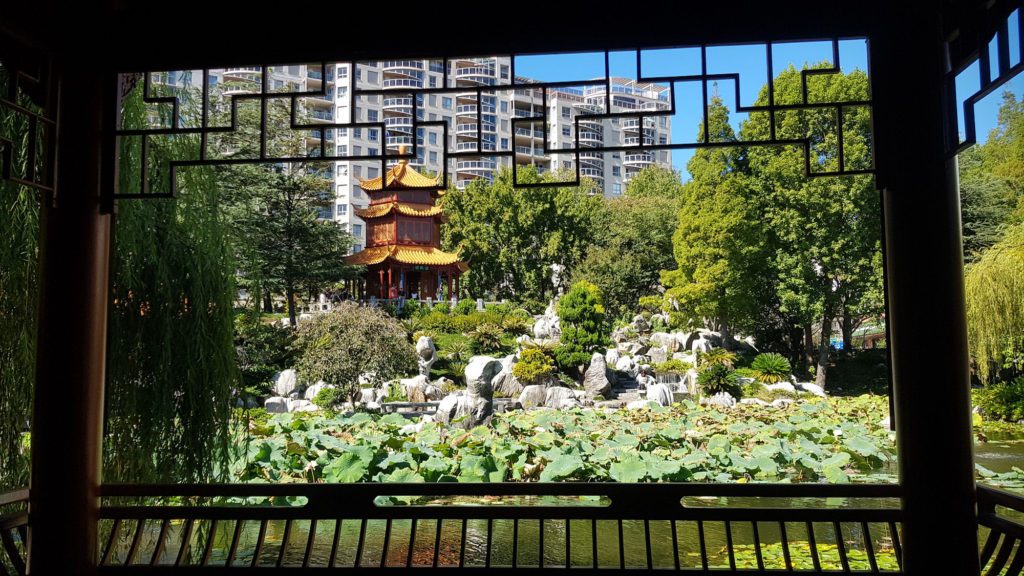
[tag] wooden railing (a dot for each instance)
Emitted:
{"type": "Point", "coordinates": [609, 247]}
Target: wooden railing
{"type": "Point", "coordinates": [810, 529]}
{"type": "Point", "coordinates": [13, 532]}
{"type": "Point", "coordinates": [1001, 514]}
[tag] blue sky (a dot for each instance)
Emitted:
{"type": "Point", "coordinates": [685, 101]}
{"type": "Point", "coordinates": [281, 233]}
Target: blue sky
{"type": "Point", "coordinates": [750, 62]}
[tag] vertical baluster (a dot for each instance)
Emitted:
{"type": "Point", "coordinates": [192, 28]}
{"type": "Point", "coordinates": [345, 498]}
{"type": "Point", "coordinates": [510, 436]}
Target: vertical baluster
{"type": "Point", "coordinates": [540, 543]}
{"type": "Point", "coordinates": [284, 542]}
{"type": "Point", "coordinates": [568, 543]}
{"type": "Point", "coordinates": [115, 531]}
{"type": "Point", "coordinates": [12, 552]}
{"type": "Point", "coordinates": [703, 545]}
{"type": "Point", "coordinates": [3, 571]}
{"type": "Point", "coordinates": [140, 526]}
{"type": "Point", "coordinates": [487, 544]}
{"type": "Point", "coordinates": [896, 547]}
{"type": "Point", "coordinates": [785, 546]}
{"type": "Point", "coordinates": [462, 545]}
{"type": "Point", "coordinates": [841, 546]}
{"type": "Point", "coordinates": [728, 545]}
{"type": "Point", "coordinates": [622, 547]}
{"type": "Point", "coordinates": [1017, 564]}
{"type": "Point", "coordinates": [362, 540]}
{"type": "Point", "coordinates": [261, 538]}
{"type": "Point", "coordinates": [209, 543]}
{"type": "Point", "coordinates": [869, 546]}
{"type": "Point", "coordinates": [437, 543]}
{"type": "Point", "coordinates": [814, 547]}
{"type": "Point", "coordinates": [757, 546]}
{"type": "Point", "coordinates": [387, 543]}
{"type": "Point", "coordinates": [233, 549]}
{"type": "Point", "coordinates": [412, 542]}
{"type": "Point", "coordinates": [515, 542]}
{"type": "Point", "coordinates": [593, 541]}
{"type": "Point", "coordinates": [158, 551]}
{"type": "Point", "coordinates": [647, 543]}
{"type": "Point", "coordinates": [675, 546]}
{"type": "Point", "coordinates": [309, 543]}
{"type": "Point", "coordinates": [1002, 555]}
{"type": "Point", "coordinates": [334, 545]}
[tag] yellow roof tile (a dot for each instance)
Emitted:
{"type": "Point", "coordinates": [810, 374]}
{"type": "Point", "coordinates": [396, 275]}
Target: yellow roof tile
{"type": "Point", "coordinates": [406, 209]}
{"type": "Point", "coordinates": [414, 255]}
{"type": "Point", "coordinates": [401, 176]}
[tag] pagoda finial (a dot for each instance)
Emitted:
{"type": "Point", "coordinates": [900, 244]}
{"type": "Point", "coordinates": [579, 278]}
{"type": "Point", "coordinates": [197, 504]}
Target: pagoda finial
{"type": "Point", "coordinates": [402, 151]}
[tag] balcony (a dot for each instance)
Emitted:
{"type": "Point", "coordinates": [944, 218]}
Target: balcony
{"type": "Point", "coordinates": [635, 141]}
{"type": "Point", "coordinates": [403, 123]}
{"type": "Point", "coordinates": [591, 137]}
{"type": "Point", "coordinates": [401, 105]}
{"type": "Point", "coordinates": [402, 83]}
{"type": "Point", "coordinates": [638, 160]}
{"type": "Point", "coordinates": [477, 166]}
{"type": "Point", "coordinates": [322, 115]}
{"type": "Point", "coordinates": [529, 133]}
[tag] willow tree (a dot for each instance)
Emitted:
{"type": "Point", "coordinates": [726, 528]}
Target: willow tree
{"type": "Point", "coordinates": [171, 360]}
{"type": "Point", "coordinates": [995, 306]}
{"type": "Point", "coordinates": [19, 290]}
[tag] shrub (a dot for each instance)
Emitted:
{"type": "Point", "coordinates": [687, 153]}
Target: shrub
{"type": "Point", "coordinates": [499, 309]}
{"type": "Point", "coordinates": [457, 351]}
{"type": "Point", "coordinates": [442, 308]}
{"type": "Point", "coordinates": [651, 303]}
{"type": "Point", "coordinates": [1002, 401]}
{"type": "Point", "coordinates": [486, 338]}
{"type": "Point", "coordinates": [437, 321]}
{"type": "Point", "coordinates": [328, 398]}
{"type": "Point", "coordinates": [350, 341]}
{"type": "Point", "coordinates": [464, 307]}
{"type": "Point", "coordinates": [583, 325]}
{"type": "Point", "coordinates": [412, 309]}
{"type": "Point", "coordinates": [770, 368]}
{"type": "Point", "coordinates": [546, 346]}
{"type": "Point", "coordinates": [673, 367]}
{"type": "Point", "coordinates": [718, 378]}
{"type": "Point", "coordinates": [432, 334]}
{"type": "Point", "coordinates": [744, 373]}
{"type": "Point", "coordinates": [412, 326]}
{"type": "Point", "coordinates": [469, 322]}
{"type": "Point", "coordinates": [515, 325]}
{"type": "Point", "coordinates": [262, 351]}
{"type": "Point", "coordinates": [533, 365]}
{"type": "Point", "coordinates": [522, 313]}
{"type": "Point", "coordinates": [715, 357]}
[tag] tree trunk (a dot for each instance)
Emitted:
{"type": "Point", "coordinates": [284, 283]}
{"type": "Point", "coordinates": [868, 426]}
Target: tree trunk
{"type": "Point", "coordinates": [289, 294]}
{"type": "Point", "coordinates": [268, 302]}
{"type": "Point", "coordinates": [808, 346]}
{"type": "Point", "coordinates": [726, 333]}
{"type": "Point", "coordinates": [847, 334]}
{"type": "Point", "coordinates": [822, 368]}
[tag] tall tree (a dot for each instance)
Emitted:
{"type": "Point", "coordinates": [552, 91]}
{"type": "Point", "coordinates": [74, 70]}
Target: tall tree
{"type": "Point", "coordinates": [826, 231]}
{"type": "Point", "coordinates": [718, 243]}
{"type": "Point", "coordinates": [995, 306]}
{"type": "Point", "coordinates": [282, 244]}
{"type": "Point", "coordinates": [511, 235]}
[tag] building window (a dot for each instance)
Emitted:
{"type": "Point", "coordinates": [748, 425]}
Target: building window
{"type": "Point", "coordinates": [359, 73]}
{"type": "Point", "coordinates": [432, 99]}
{"type": "Point", "coordinates": [343, 150]}
{"type": "Point", "coordinates": [357, 133]}
{"type": "Point", "coordinates": [662, 140]}
{"type": "Point", "coordinates": [356, 248]}
{"type": "Point", "coordinates": [342, 72]}
{"type": "Point", "coordinates": [504, 106]}
{"type": "Point", "coordinates": [565, 112]}
{"type": "Point", "coordinates": [432, 137]}
{"type": "Point", "coordinates": [341, 190]}
{"type": "Point", "coordinates": [446, 103]}
{"type": "Point", "coordinates": [358, 171]}
{"type": "Point", "coordinates": [371, 151]}
{"type": "Point", "coordinates": [357, 151]}
{"type": "Point", "coordinates": [371, 77]}
{"type": "Point", "coordinates": [616, 171]}
{"type": "Point", "coordinates": [566, 164]}
{"type": "Point", "coordinates": [371, 134]}
{"type": "Point", "coordinates": [504, 72]}
{"type": "Point", "coordinates": [662, 121]}
{"type": "Point", "coordinates": [342, 209]}
{"type": "Point", "coordinates": [357, 229]}
{"type": "Point", "coordinates": [433, 157]}
{"type": "Point", "coordinates": [342, 91]}
{"type": "Point", "coordinates": [566, 131]}
{"type": "Point", "coordinates": [504, 143]}
{"type": "Point", "coordinates": [433, 117]}
{"type": "Point", "coordinates": [617, 189]}
{"type": "Point", "coordinates": [432, 81]}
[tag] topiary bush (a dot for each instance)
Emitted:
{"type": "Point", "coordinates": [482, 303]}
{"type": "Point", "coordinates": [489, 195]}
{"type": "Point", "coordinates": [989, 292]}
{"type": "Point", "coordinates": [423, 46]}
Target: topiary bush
{"type": "Point", "coordinates": [439, 321]}
{"type": "Point", "coordinates": [719, 378]}
{"type": "Point", "coordinates": [533, 366]}
{"type": "Point", "coordinates": [771, 368]}
{"type": "Point", "coordinates": [1002, 401]}
{"type": "Point", "coordinates": [583, 325]}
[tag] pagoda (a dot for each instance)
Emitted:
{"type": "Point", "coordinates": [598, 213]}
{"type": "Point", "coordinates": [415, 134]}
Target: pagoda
{"type": "Point", "coordinates": [403, 255]}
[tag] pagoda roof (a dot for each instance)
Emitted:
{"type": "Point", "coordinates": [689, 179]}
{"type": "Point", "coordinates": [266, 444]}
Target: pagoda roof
{"type": "Point", "coordinates": [403, 208]}
{"type": "Point", "coordinates": [401, 176]}
{"type": "Point", "coordinates": [414, 255]}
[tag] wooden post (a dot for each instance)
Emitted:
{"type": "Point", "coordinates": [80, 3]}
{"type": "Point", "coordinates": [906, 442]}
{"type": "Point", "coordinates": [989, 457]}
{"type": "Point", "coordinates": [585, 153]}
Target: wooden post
{"type": "Point", "coordinates": [74, 259]}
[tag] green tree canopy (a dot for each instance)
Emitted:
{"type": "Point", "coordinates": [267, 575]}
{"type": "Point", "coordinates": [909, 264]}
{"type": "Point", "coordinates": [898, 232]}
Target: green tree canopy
{"type": "Point", "coordinates": [995, 306]}
{"type": "Point", "coordinates": [583, 325]}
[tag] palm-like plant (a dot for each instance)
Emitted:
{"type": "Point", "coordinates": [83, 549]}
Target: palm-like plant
{"type": "Point", "coordinates": [486, 338]}
{"type": "Point", "coordinates": [715, 356]}
{"type": "Point", "coordinates": [457, 351]}
{"type": "Point", "coordinates": [771, 368]}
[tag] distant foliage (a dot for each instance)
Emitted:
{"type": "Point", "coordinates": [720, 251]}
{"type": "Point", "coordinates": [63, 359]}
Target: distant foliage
{"type": "Point", "coordinates": [263, 349]}
{"type": "Point", "coordinates": [673, 367]}
{"type": "Point", "coordinates": [533, 366]}
{"type": "Point", "coordinates": [583, 325]}
{"type": "Point", "coordinates": [1002, 401]}
{"type": "Point", "coordinates": [464, 306]}
{"type": "Point", "coordinates": [771, 368]}
{"type": "Point", "coordinates": [719, 378]}
{"type": "Point", "coordinates": [349, 341]}
{"type": "Point", "coordinates": [442, 308]}
{"type": "Point", "coordinates": [486, 338]}
{"type": "Point", "coordinates": [995, 307]}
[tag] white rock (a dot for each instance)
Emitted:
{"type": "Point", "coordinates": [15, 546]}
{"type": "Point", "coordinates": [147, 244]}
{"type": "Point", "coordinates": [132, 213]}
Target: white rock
{"type": "Point", "coordinates": [886, 423]}
{"type": "Point", "coordinates": [782, 402]}
{"type": "Point", "coordinates": [812, 388]}
{"type": "Point", "coordinates": [532, 396]}
{"type": "Point", "coordinates": [509, 362]}
{"type": "Point", "coordinates": [368, 395]}
{"type": "Point", "coordinates": [625, 364]}
{"type": "Point", "coordinates": [659, 393]}
{"type": "Point", "coordinates": [780, 387]}
{"type": "Point", "coordinates": [412, 428]}
{"type": "Point", "coordinates": [595, 380]}
{"type": "Point", "coordinates": [754, 401]}
{"type": "Point", "coordinates": [640, 324]}
{"type": "Point", "coordinates": [276, 405]}
{"type": "Point", "coordinates": [505, 384]}
{"type": "Point", "coordinates": [479, 373]}
{"type": "Point", "coordinates": [315, 389]}
{"type": "Point", "coordinates": [302, 406]}
{"type": "Point", "coordinates": [611, 357]}
{"type": "Point", "coordinates": [559, 398]}
{"type": "Point", "coordinates": [638, 404]}
{"type": "Point", "coordinates": [285, 382]}
{"type": "Point", "coordinates": [426, 355]}
{"type": "Point", "coordinates": [372, 406]}
{"type": "Point", "coordinates": [722, 399]}
{"type": "Point", "coordinates": [658, 355]}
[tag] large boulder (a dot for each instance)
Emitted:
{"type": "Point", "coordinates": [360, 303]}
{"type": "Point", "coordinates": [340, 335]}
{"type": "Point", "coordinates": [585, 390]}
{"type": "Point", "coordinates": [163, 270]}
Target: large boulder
{"type": "Point", "coordinates": [276, 405]}
{"type": "Point", "coordinates": [469, 410]}
{"type": "Point", "coordinates": [285, 382]}
{"type": "Point", "coordinates": [480, 371]}
{"type": "Point", "coordinates": [659, 393]}
{"type": "Point", "coordinates": [611, 357]}
{"type": "Point", "coordinates": [509, 362]}
{"type": "Point", "coordinates": [419, 389]}
{"type": "Point", "coordinates": [634, 348]}
{"type": "Point", "coordinates": [371, 395]}
{"type": "Point", "coordinates": [506, 385]}
{"type": "Point", "coordinates": [560, 398]}
{"type": "Point", "coordinates": [532, 396]}
{"type": "Point", "coordinates": [301, 405]}
{"type": "Point", "coordinates": [812, 388]}
{"type": "Point", "coordinates": [722, 400]}
{"type": "Point", "coordinates": [621, 334]}
{"type": "Point", "coordinates": [626, 364]}
{"type": "Point", "coordinates": [426, 355]}
{"type": "Point", "coordinates": [666, 340]}
{"type": "Point", "coordinates": [595, 380]}
{"type": "Point", "coordinates": [690, 380]}
{"type": "Point", "coordinates": [640, 324]}
{"type": "Point", "coordinates": [312, 392]}
{"type": "Point", "coordinates": [781, 387]}
{"type": "Point", "coordinates": [658, 355]}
